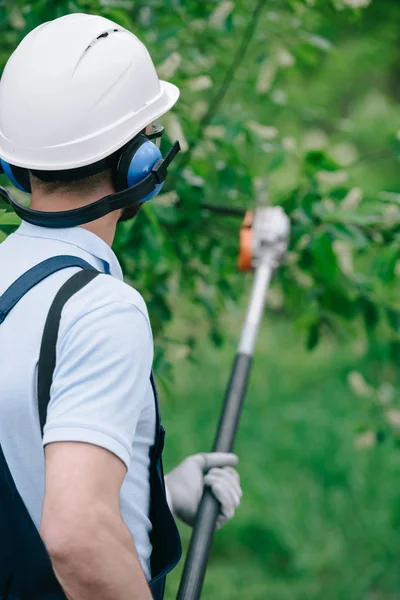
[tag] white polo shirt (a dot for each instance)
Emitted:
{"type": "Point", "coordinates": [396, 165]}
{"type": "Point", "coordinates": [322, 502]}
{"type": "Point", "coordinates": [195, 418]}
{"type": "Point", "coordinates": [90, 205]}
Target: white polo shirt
{"type": "Point", "coordinates": [101, 391]}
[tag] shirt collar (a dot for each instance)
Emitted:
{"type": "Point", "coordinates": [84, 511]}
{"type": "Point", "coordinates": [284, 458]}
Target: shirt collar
{"type": "Point", "coordinates": [79, 237]}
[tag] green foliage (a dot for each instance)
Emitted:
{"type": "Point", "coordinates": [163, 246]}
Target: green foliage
{"type": "Point", "coordinates": [277, 116]}
{"type": "Point", "coordinates": [343, 259]}
{"type": "Point", "coordinates": [294, 99]}
{"type": "Point", "coordinates": [320, 511]}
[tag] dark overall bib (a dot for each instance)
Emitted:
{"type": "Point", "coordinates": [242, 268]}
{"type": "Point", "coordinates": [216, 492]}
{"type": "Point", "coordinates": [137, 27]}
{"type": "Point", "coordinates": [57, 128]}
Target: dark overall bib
{"type": "Point", "coordinates": [25, 568]}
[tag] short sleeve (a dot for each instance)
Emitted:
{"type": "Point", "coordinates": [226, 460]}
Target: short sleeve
{"type": "Point", "coordinates": [102, 373]}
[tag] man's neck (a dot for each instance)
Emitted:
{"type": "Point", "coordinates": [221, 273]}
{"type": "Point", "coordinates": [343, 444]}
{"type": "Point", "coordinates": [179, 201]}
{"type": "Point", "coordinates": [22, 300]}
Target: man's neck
{"type": "Point", "coordinates": [104, 227]}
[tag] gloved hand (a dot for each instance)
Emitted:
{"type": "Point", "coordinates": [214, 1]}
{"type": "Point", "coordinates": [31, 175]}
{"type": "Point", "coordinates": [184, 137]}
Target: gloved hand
{"type": "Point", "coordinates": [186, 482]}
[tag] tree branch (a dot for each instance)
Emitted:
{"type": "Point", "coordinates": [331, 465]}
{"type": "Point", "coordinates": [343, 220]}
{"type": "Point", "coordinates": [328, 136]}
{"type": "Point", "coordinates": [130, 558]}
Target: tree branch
{"type": "Point", "coordinates": [225, 84]}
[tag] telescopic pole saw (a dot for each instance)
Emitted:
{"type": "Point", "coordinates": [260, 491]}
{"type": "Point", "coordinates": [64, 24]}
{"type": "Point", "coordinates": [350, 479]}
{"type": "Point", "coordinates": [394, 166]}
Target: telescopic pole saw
{"type": "Point", "coordinates": [264, 239]}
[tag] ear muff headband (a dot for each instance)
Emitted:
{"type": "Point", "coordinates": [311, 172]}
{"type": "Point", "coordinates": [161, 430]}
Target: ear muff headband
{"type": "Point", "coordinates": [91, 212]}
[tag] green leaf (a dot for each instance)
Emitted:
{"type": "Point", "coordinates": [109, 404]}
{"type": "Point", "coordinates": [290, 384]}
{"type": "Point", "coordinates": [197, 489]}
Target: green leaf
{"type": "Point", "coordinates": [385, 263]}
{"type": "Point", "coordinates": [324, 258]}
{"type": "Point", "coordinates": [276, 160]}
{"type": "Point", "coordinates": [336, 300]}
{"type": "Point", "coordinates": [216, 336]}
{"type": "Point", "coordinates": [350, 233]}
{"type": "Point", "coordinates": [308, 202]}
{"type": "Point", "coordinates": [317, 160]}
{"type": "Point", "coordinates": [370, 313]}
{"type": "Point", "coordinates": [313, 335]}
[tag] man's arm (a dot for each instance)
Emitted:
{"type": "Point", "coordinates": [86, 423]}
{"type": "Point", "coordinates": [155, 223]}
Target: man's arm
{"type": "Point", "coordinates": [91, 550]}
{"type": "Point", "coordinates": [104, 356]}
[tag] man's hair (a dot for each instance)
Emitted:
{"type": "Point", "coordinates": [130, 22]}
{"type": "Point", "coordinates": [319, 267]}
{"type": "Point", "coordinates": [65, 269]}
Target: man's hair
{"type": "Point", "coordinates": [82, 186]}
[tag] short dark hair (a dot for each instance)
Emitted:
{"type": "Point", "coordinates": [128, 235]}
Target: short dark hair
{"type": "Point", "coordinates": [82, 186]}
{"type": "Point", "coordinates": [76, 185]}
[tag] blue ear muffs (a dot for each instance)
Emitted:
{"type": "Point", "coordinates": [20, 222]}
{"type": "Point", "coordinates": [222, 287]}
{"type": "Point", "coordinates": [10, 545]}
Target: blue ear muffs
{"type": "Point", "coordinates": [139, 172]}
{"type": "Point", "coordinates": [17, 175]}
{"type": "Point", "coordinates": [136, 161]}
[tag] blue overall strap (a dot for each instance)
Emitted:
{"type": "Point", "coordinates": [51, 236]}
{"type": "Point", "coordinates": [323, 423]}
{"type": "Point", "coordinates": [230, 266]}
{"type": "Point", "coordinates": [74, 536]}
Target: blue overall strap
{"type": "Point", "coordinates": [34, 276]}
{"type": "Point", "coordinates": [164, 536]}
{"type": "Point", "coordinates": [47, 356]}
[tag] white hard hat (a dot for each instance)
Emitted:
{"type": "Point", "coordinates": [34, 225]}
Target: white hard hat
{"type": "Point", "coordinates": [75, 90]}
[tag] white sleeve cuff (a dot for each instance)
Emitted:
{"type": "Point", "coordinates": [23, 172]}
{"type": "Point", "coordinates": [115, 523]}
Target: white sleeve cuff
{"type": "Point", "coordinates": [88, 436]}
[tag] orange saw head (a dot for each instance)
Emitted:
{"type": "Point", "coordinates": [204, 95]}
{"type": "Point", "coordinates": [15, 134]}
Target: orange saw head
{"type": "Point", "coordinates": [246, 242]}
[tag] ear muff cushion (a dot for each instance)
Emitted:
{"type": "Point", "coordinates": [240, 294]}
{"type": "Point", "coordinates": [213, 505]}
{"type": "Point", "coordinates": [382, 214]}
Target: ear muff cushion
{"type": "Point", "coordinates": [18, 176]}
{"type": "Point", "coordinates": [136, 161]}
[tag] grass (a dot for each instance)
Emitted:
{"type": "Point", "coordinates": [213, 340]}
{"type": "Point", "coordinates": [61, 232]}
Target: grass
{"type": "Point", "coordinates": [319, 518]}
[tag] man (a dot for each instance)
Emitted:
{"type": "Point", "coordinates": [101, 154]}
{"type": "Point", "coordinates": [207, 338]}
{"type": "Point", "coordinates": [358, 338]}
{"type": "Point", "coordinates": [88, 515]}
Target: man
{"type": "Point", "coordinates": [78, 99]}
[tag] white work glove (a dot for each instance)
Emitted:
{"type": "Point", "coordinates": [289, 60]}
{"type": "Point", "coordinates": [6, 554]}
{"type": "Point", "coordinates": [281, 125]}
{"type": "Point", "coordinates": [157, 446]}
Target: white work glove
{"type": "Point", "coordinates": [185, 485]}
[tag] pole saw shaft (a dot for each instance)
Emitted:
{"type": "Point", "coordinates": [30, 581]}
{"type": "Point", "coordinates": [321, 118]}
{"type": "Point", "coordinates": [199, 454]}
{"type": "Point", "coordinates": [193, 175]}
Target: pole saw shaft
{"type": "Point", "coordinates": [200, 544]}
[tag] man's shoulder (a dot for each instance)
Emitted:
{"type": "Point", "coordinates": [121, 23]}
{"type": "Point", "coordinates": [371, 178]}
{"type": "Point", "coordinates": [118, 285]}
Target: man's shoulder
{"type": "Point", "coordinates": [112, 290]}
{"type": "Point", "coordinates": [104, 291]}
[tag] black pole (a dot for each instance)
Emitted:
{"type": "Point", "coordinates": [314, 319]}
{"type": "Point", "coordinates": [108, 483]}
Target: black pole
{"type": "Point", "coordinates": [226, 211]}
{"type": "Point", "coordinates": [200, 543]}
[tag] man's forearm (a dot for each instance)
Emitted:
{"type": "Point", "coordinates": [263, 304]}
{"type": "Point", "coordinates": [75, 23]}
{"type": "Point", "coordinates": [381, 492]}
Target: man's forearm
{"type": "Point", "coordinates": [102, 565]}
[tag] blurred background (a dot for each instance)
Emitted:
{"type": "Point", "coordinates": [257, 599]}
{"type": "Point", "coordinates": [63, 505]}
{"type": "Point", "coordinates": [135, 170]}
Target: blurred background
{"type": "Point", "coordinates": [297, 102]}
